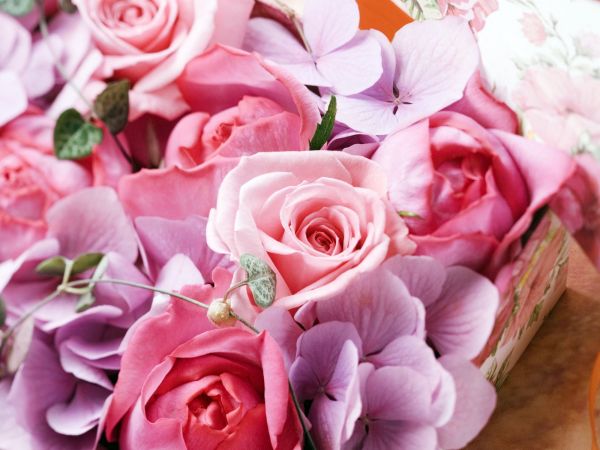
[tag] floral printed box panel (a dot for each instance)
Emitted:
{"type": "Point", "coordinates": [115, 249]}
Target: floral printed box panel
{"type": "Point", "coordinates": [539, 278]}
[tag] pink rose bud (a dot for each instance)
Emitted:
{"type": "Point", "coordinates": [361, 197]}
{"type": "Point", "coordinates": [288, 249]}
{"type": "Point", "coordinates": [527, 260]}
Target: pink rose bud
{"type": "Point", "coordinates": [219, 313]}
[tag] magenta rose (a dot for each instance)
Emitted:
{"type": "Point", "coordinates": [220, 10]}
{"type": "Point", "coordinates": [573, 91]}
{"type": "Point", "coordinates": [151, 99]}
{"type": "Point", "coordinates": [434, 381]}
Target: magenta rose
{"type": "Point", "coordinates": [242, 105]}
{"type": "Point", "coordinates": [473, 183]}
{"type": "Point", "coordinates": [150, 41]}
{"type": "Point", "coordinates": [31, 180]}
{"type": "Point", "coordinates": [317, 218]}
{"type": "Point", "coordinates": [185, 385]}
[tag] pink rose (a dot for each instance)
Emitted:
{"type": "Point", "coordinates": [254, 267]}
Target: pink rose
{"type": "Point", "coordinates": [31, 180]}
{"type": "Point", "coordinates": [200, 388]}
{"type": "Point", "coordinates": [242, 105]}
{"type": "Point", "coordinates": [474, 187]}
{"type": "Point", "coordinates": [150, 42]}
{"type": "Point", "coordinates": [317, 218]}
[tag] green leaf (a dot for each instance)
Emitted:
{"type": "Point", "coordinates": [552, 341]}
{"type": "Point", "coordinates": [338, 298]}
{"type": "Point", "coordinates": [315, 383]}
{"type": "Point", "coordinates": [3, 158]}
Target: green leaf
{"type": "Point", "coordinates": [86, 261]}
{"type": "Point", "coordinates": [68, 6]}
{"type": "Point", "coordinates": [2, 312]}
{"type": "Point", "coordinates": [54, 266]}
{"type": "Point", "coordinates": [409, 214]}
{"type": "Point", "coordinates": [325, 128]}
{"type": "Point", "coordinates": [261, 279]}
{"type": "Point", "coordinates": [74, 138]}
{"type": "Point", "coordinates": [17, 7]}
{"type": "Point", "coordinates": [88, 299]}
{"type": "Point", "coordinates": [112, 106]}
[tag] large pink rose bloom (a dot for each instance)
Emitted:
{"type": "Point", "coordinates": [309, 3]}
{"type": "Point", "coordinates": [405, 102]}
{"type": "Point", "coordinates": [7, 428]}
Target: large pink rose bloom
{"type": "Point", "coordinates": [474, 183]}
{"type": "Point", "coordinates": [31, 180]}
{"type": "Point", "coordinates": [185, 385]}
{"type": "Point", "coordinates": [150, 42]}
{"type": "Point", "coordinates": [317, 218]}
{"type": "Point", "coordinates": [242, 105]}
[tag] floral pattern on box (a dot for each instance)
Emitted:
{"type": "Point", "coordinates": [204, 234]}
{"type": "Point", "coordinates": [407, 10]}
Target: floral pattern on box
{"type": "Point", "coordinates": [538, 280]}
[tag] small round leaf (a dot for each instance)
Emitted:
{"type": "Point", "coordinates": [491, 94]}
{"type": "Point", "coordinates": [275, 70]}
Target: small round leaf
{"type": "Point", "coordinates": [74, 138]}
{"type": "Point", "coordinates": [112, 106]}
{"type": "Point", "coordinates": [17, 7]}
{"type": "Point", "coordinates": [261, 280]}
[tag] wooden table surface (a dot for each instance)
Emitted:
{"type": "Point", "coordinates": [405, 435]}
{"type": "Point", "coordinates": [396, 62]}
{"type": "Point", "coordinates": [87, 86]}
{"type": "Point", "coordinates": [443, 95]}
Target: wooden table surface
{"type": "Point", "coordinates": [543, 404]}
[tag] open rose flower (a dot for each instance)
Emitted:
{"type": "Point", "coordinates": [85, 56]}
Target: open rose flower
{"type": "Point", "coordinates": [317, 218]}
{"type": "Point", "coordinates": [150, 41]}
{"type": "Point", "coordinates": [185, 385]}
{"type": "Point", "coordinates": [31, 180]}
{"type": "Point", "coordinates": [474, 187]}
{"type": "Point", "coordinates": [242, 105]}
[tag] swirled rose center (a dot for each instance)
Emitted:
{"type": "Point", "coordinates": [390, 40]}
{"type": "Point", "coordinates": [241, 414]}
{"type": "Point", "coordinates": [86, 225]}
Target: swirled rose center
{"type": "Point", "coordinates": [211, 407]}
{"type": "Point", "coordinates": [128, 13]}
{"type": "Point", "coordinates": [458, 183]}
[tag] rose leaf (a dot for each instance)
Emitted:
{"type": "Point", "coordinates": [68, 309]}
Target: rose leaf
{"type": "Point", "coordinates": [261, 280]}
{"type": "Point", "coordinates": [112, 106]}
{"type": "Point", "coordinates": [17, 7]}
{"type": "Point", "coordinates": [324, 129]}
{"type": "Point", "coordinates": [74, 138]}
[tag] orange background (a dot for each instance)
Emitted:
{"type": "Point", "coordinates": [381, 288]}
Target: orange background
{"type": "Point", "coordinates": [383, 15]}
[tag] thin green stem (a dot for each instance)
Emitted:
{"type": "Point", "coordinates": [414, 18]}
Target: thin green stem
{"type": "Point", "coordinates": [139, 286]}
{"type": "Point", "coordinates": [244, 322]}
{"type": "Point", "coordinates": [307, 436]}
{"type": "Point", "coordinates": [61, 69]}
{"type": "Point", "coordinates": [233, 288]}
{"type": "Point", "coordinates": [26, 316]}
{"type": "Point", "coordinates": [121, 148]}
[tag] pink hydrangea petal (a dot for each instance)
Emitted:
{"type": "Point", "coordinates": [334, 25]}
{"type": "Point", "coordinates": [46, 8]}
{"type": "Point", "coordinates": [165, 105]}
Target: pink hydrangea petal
{"type": "Point", "coordinates": [102, 225]}
{"type": "Point", "coordinates": [423, 277]}
{"type": "Point", "coordinates": [393, 311]}
{"type": "Point", "coordinates": [366, 115]}
{"type": "Point", "coordinates": [80, 414]}
{"type": "Point", "coordinates": [476, 399]}
{"type": "Point", "coordinates": [436, 59]}
{"type": "Point", "coordinates": [275, 42]}
{"type": "Point", "coordinates": [461, 321]}
{"type": "Point", "coordinates": [329, 25]}
{"type": "Point", "coordinates": [354, 67]}
{"type": "Point", "coordinates": [13, 100]}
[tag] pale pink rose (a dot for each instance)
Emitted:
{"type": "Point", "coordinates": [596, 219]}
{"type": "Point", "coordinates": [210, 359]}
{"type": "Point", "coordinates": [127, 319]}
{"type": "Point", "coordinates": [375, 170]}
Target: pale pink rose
{"type": "Point", "coordinates": [317, 218]}
{"type": "Point", "coordinates": [533, 28]}
{"type": "Point", "coordinates": [560, 107]}
{"type": "Point", "coordinates": [150, 42]}
{"type": "Point", "coordinates": [469, 178]}
{"type": "Point", "coordinates": [31, 180]}
{"type": "Point", "coordinates": [242, 105]}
